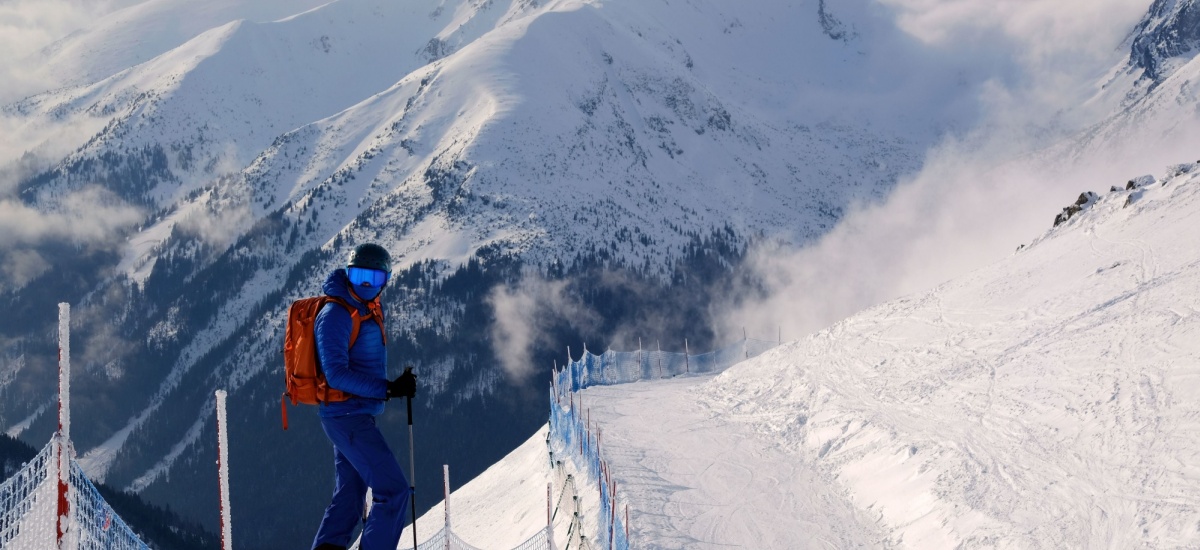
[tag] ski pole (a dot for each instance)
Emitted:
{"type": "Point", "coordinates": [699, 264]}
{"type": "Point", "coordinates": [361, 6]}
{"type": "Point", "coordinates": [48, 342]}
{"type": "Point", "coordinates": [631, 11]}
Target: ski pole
{"type": "Point", "coordinates": [412, 473]}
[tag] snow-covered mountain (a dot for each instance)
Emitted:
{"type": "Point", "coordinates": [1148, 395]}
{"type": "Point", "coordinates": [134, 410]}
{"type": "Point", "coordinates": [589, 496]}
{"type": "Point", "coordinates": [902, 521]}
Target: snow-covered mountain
{"type": "Point", "coordinates": [1167, 37]}
{"type": "Point", "coordinates": [1150, 97]}
{"type": "Point", "coordinates": [631, 147]}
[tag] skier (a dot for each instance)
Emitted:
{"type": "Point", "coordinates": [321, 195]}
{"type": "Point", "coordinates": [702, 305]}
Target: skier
{"type": "Point", "coordinates": [361, 457]}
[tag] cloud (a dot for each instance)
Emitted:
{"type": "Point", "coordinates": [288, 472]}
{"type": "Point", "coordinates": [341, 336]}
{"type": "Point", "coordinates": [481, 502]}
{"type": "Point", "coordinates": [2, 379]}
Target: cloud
{"type": "Point", "coordinates": [1040, 30]}
{"type": "Point", "coordinates": [28, 26]}
{"type": "Point", "coordinates": [969, 207]}
{"type": "Point", "coordinates": [90, 216]}
{"type": "Point", "coordinates": [980, 193]}
{"type": "Point", "coordinates": [1061, 47]}
{"type": "Point", "coordinates": [524, 317]}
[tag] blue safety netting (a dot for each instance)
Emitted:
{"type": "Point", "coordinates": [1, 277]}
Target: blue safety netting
{"type": "Point", "coordinates": [570, 431]}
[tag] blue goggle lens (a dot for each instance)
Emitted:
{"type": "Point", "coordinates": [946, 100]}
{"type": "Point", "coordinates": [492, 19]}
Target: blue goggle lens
{"type": "Point", "coordinates": [361, 276]}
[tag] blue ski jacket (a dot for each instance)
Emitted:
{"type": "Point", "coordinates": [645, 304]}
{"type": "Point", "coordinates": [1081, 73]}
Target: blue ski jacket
{"type": "Point", "coordinates": [361, 370]}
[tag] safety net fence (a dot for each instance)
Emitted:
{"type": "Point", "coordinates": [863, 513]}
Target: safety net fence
{"type": "Point", "coordinates": [444, 539]}
{"type": "Point", "coordinates": [30, 504]}
{"type": "Point", "coordinates": [574, 434]}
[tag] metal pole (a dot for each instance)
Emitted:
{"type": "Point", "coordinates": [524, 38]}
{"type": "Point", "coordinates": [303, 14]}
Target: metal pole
{"type": "Point", "coordinates": [659, 342]}
{"type": "Point", "coordinates": [412, 474]}
{"type": "Point", "coordinates": [550, 515]}
{"type": "Point", "coordinates": [446, 488]}
{"type": "Point", "coordinates": [687, 367]}
{"type": "Point", "coordinates": [612, 514]}
{"type": "Point", "coordinates": [64, 422]}
{"type": "Point", "coordinates": [223, 471]}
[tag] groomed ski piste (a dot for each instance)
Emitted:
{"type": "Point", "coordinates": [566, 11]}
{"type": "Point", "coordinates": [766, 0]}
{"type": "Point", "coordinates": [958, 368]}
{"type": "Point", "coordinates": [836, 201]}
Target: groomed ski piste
{"type": "Point", "coordinates": [1047, 401]}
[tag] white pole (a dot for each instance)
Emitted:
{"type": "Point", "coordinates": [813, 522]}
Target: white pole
{"type": "Point", "coordinates": [446, 490]}
{"type": "Point", "coordinates": [223, 469]}
{"type": "Point", "coordinates": [687, 364]}
{"type": "Point", "coordinates": [550, 515]}
{"type": "Point", "coordinates": [64, 423]}
{"type": "Point", "coordinates": [659, 342]}
{"type": "Point", "coordinates": [64, 370]}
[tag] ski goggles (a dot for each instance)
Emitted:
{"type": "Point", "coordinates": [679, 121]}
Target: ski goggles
{"type": "Point", "coordinates": [362, 276]}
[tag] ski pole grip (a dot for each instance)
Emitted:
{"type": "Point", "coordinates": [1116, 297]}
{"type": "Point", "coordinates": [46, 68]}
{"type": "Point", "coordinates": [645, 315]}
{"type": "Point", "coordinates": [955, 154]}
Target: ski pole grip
{"type": "Point", "coordinates": [410, 411]}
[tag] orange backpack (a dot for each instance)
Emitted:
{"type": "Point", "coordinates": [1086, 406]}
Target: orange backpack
{"type": "Point", "coordinates": [304, 381]}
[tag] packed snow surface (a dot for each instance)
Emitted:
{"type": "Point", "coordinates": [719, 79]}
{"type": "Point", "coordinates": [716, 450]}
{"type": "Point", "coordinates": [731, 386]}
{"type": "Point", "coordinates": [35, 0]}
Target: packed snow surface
{"type": "Point", "coordinates": [1047, 401]}
{"type": "Point", "coordinates": [501, 508]}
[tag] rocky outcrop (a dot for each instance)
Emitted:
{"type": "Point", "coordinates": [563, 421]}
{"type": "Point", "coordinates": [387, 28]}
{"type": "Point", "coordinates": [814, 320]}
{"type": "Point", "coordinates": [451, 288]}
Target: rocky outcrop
{"type": "Point", "coordinates": [1085, 201]}
{"type": "Point", "coordinates": [1170, 30]}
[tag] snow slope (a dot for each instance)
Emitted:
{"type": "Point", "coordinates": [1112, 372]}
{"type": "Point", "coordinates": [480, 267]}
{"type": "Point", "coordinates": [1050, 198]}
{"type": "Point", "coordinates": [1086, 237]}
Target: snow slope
{"type": "Point", "coordinates": [146, 29]}
{"type": "Point", "coordinates": [1046, 401]}
{"type": "Point", "coordinates": [694, 478]}
{"type": "Point", "coordinates": [501, 508]}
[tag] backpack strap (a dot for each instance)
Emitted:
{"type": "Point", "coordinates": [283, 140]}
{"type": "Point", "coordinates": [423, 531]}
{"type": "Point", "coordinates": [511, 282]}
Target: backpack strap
{"type": "Point", "coordinates": [374, 311]}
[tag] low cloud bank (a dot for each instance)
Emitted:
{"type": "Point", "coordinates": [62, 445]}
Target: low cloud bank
{"type": "Point", "coordinates": [89, 217]}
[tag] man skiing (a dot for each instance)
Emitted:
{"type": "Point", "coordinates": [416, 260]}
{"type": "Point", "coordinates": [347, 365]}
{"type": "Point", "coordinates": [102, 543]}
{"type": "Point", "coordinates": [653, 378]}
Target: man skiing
{"type": "Point", "coordinates": [361, 457]}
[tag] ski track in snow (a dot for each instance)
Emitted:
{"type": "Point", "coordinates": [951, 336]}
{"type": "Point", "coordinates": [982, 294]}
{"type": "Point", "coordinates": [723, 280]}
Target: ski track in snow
{"type": "Point", "coordinates": [694, 479]}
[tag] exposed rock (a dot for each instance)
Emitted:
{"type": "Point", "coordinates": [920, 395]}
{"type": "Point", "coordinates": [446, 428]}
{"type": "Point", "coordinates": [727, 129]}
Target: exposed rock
{"type": "Point", "coordinates": [1085, 201]}
{"type": "Point", "coordinates": [1170, 29]}
{"type": "Point", "coordinates": [1140, 182]}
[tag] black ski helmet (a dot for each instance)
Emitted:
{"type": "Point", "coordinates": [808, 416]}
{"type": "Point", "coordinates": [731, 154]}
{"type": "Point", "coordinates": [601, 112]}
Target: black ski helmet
{"type": "Point", "coordinates": [370, 256]}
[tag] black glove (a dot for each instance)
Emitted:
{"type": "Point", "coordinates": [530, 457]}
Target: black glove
{"type": "Point", "coordinates": [404, 385]}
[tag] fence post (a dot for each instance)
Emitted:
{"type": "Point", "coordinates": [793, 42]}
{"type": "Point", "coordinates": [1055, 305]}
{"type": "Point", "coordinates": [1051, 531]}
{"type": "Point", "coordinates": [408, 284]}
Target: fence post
{"type": "Point", "coordinates": [64, 422]}
{"type": "Point", "coordinates": [660, 373]}
{"type": "Point", "coordinates": [641, 358]}
{"type": "Point", "coordinates": [626, 523]}
{"type": "Point", "coordinates": [550, 515]}
{"type": "Point", "coordinates": [687, 366]}
{"type": "Point", "coordinates": [446, 490]}
{"type": "Point", "coordinates": [612, 515]}
{"type": "Point", "coordinates": [223, 471]}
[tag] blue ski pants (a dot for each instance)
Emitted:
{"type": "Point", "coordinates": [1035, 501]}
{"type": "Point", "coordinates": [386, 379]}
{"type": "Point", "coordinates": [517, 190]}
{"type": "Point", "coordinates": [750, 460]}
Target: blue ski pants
{"type": "Point", "coordinates": [361, 459]}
